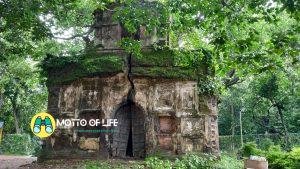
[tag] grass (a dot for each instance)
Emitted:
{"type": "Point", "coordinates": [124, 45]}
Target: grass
{"type": "Point", "coordinates": [190, 161]}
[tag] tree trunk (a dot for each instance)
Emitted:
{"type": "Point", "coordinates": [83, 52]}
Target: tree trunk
{"type": "Point", "coordinates": [17, 122]}
{"type": "Point", "coordinates": [15, 111]}
{"type": "Point", "coordinates": [1, 100]}
{"type": "Point", "coordinates": [280, 113]}
{"type": "Point", "coordinates": [241, 128]}
{"type": "Point", "coordinates": [232, 127]}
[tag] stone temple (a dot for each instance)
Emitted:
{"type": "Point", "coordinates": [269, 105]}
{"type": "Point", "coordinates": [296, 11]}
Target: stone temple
{"type": "Point", "coordinates": [155, 101]}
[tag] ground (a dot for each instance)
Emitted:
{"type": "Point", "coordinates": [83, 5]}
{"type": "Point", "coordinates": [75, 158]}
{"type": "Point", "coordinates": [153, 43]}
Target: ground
{"type": "Point", "coordinates": [12, 162]}
{"type": "Point", "coordinates": [27, 162]}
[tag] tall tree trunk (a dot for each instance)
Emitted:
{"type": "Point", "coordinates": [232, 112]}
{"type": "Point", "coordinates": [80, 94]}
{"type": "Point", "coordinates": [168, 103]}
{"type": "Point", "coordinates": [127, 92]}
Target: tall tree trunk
{"type": "Point", "coordinates": [232, 127]}
{"type": "Point", "coordinates": [1, 100]}
{"type": "Point", "coordinates": [17, 122]}
{"type": "Point", "coordinates": [280, 113]}
{"type": "Point", "coordinates": [241, 128]}
{"type": "Point", "coordinates": [16, 114]}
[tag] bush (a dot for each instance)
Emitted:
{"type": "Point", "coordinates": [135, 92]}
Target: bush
{"type": "Point", "coordinates": [294, 155]}
{"type": "Point", "coordinates": [265, 143]}
{"type": "Point", "coordinates": [228, 162]}
{"type": "Point", "coordinates": [277, 158]}
{"type": "Point", "coordinates": [157, 163]}
{"type": "Point", "coordinates": [96, 165]}
{"type": "Point", "coordinates": [20, 144]}
{"type": "Point", "coordinates": [195, 161]}
{"type": "Point", "coordinates": [250, 148]}
{"type": "Point", "coordinates": [116, 164]}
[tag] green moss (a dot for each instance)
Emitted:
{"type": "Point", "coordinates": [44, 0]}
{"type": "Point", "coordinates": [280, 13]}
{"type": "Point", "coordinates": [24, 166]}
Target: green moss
{"type": "Point", "coordinates": [156, 58]}
{"type": "Point", "coordinates": [61, 70]}
{"type": "Point", "coordinates": [154, 63]}
{"type": "Point", "coordinates": [164, 72]}
{"type": "Point", "coordinates": [104, 64]}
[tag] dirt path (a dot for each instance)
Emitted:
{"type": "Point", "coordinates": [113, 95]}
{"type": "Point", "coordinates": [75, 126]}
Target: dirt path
{"type": "Point", "coordinates": [13, 162]}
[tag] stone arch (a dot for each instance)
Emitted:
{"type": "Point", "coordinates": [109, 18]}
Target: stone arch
{"type": "Point", "coordinates": [129, 136]}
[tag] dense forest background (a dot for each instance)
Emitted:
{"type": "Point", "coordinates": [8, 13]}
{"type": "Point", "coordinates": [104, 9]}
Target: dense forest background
{"type": "Point", "coordinates": [253, 48]}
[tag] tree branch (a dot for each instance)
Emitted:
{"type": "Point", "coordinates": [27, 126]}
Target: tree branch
{"type": "Point", "coordinates": [82, 35]}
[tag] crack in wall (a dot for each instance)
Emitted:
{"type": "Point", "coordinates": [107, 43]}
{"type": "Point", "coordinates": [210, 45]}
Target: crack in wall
{"type": "Point", "coordinates": [131, 92]}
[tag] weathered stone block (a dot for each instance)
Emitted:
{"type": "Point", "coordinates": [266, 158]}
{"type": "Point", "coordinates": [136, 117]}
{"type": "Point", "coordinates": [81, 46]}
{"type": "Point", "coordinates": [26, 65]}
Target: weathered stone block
{"type": "Point", "coordinates": [89, 143]}
{"type": "Point", "coordinates": [164, 97]}
{"type": "Point", "coordinates": [192, 127]}
{"type": "Point", "coordinates": [191, 145]}
{"type": "Point", "coordinates": [208, 105]}
{"type": "Point", "coordinates": [165, 141]}
{"type": "Point", "coordinates": [90, 99]}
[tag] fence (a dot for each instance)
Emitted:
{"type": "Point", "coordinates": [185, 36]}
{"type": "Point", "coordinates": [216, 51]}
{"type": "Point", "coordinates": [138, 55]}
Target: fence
{"type": "Point", "coordinates": [230, 143]}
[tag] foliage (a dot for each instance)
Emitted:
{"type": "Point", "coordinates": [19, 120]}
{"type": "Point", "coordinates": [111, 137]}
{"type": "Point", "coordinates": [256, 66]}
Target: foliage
{"type": "Point", "coordinates": [254, 44]}
{"type": "Point", "coordinates": [188, 161]}
{"type": "Point", "coordinates": [22, 92]}
{"type": "Point", "coordinates": [228, 162]}
{"type": "Point", "coordinates": [21, 144]}
{"type": "Point", "coordinates": [156, 163]}
{"type": "Point", "coordinates": [84, 65]}
{"type": "Point", "coordinates": [232, 144]}
{"type": "Point", "coordinates": [156, 63]}
{"type": "Point", "coordinates": [250, 149]}
{"type": "Point", "coordinates": [194, 160]}
{"type": "Point", "coordinates": [277, 158]}
{"type": "Point", "coordinates": [117, 164]}
{"type": "Point", "coordinates": [268, 103]}
{"type": "Point", "coordinates": [131, 46]}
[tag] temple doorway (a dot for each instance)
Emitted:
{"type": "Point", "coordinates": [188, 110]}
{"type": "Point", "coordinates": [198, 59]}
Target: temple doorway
{"type": "Point", "coordinates": [129, 135]}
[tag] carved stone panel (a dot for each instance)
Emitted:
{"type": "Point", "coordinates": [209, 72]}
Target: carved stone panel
{"type": "Point", "coordinates": [164, 97]}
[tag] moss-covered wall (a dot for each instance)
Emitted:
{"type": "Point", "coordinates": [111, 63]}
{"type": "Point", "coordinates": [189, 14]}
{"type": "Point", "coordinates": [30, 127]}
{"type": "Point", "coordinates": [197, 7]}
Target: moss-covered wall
{"type": "Point", "coordinates": [153, 63]}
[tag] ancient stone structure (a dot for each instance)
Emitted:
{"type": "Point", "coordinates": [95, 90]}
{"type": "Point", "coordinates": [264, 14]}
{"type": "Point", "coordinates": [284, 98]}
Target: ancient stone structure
{"type": "Point", "coordinates": [155, 102]}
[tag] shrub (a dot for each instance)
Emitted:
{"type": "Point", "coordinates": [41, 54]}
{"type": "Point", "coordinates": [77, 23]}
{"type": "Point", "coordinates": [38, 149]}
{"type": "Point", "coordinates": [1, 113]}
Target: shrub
{"type": "Point", "coordinates": [228, 162]}
{"type": "Point", "coordinates": [97, 165]}
{"type": "Point", "coordinates": [277, 158]}
{"type": "Point", "coordinates": [21, 144]}
{"type": "Point", "coordinates": [294, 155]}
{"type": "Point", "coordinates": [195, 161]}
{"type": "Point", "coordinates": [157, 163]}
{"type": "Point", "coordinates": [116, 164]}
{"type": "Point", "coordinates": [250, 148]}
{"type": "Point", "coordinates": [265, 143]}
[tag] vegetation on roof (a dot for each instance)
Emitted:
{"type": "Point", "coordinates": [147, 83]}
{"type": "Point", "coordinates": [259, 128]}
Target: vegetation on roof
{"type": "Point", "coordinates": [66, 69]}
{"type": "Point", "coordinates": [154, 63]}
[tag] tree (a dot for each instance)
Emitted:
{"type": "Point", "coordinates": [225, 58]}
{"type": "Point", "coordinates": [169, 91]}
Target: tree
{"type": "Point", "coordinates": [23, 94]}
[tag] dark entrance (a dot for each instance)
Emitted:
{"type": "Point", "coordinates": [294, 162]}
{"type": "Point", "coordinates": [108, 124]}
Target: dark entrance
{"type": "Point", "coordinates": [129, 135]}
